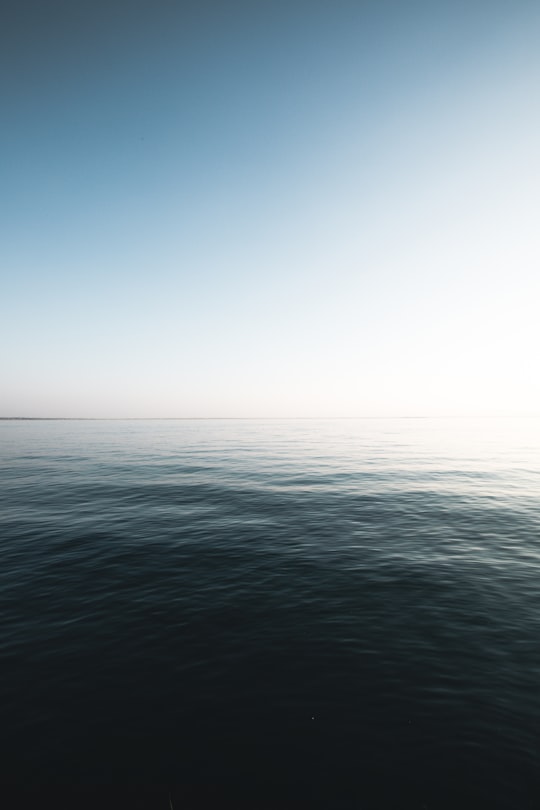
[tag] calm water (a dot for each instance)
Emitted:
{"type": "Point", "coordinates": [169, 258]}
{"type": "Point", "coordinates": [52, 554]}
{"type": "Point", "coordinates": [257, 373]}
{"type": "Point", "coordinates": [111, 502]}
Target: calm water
{"type": "Point", "coordinates": [327, 613]}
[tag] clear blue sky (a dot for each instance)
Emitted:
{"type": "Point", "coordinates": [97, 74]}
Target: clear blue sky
{"type": "Point", "coordinates": [269, 208]}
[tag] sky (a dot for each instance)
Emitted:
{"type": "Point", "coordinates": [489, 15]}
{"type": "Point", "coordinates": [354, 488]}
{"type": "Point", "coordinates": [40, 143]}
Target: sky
{"type": "Point", "coordinates": [269, 209]}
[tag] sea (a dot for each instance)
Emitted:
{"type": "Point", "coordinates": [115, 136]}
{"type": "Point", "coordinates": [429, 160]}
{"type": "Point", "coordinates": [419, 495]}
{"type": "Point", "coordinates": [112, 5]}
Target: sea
{"type": "Point", "coordinates": [310, 613]}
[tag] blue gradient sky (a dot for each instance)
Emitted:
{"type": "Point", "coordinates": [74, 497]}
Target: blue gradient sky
{"type": "Point", "coordinates": [270, 209]}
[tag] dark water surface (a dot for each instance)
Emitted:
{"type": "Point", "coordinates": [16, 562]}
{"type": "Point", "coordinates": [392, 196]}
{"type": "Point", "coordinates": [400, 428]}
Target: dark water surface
{"type": "Point", "coordinates": [333, 613]}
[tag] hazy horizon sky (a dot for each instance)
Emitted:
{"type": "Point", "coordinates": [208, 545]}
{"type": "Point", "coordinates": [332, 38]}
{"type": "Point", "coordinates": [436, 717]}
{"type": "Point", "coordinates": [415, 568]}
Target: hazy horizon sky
{"type": "Point", "coordinates": [270, 208]}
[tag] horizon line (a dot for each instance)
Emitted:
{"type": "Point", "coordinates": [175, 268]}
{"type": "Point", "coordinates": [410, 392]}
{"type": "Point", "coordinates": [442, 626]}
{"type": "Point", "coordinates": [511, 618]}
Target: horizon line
{"type": "Point", "coordinates": [250, 418]}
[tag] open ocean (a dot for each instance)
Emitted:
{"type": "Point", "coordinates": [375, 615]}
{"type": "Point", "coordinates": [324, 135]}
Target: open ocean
{"type": "Point", "coordinates": [272, 613]}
